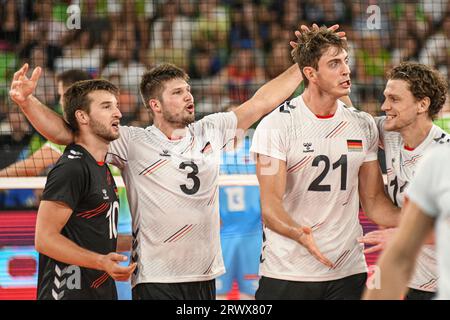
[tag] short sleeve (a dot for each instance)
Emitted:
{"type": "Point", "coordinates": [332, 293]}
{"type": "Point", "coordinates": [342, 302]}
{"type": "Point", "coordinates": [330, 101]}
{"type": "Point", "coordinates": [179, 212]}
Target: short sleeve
{"type": "Point", "coordinates": [424, 187]}
{"type": "Point", "coordinates": [372, 140]}
{"type": "Point", "coordinates": [219, 126]}
{"type": "Point", "coordinates": [270, 136]}
{"type": "Point", "coordinates": [379, 121]}
{"type": "Point", "coordinates": [118, 149]}
{"type": "Point", "coordinates": [65, 183]}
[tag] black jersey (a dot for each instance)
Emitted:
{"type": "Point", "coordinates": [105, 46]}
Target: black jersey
{"type": "Point", "coordinates": [88, 188]}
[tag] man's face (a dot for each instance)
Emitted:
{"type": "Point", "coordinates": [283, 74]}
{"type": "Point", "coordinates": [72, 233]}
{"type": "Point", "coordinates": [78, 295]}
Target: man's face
{"type": "Point", "coordinates": [333, 74]}
{"type": "Point", "coordinates": [104, 115]}
{"type": "Point", "coordinates": [400, 106]}
{"type": "Point", "coordinates": [177, 103]}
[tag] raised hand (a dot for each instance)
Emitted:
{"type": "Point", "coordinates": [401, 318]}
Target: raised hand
{"type": "Point", "coordinates": [305, 28]}
{"type": "Point", "coordinates": [110, 264]}
{"type": "Point", "coordinates": [22, 86]}
{"type": "Point", "coordinates": [377, 238]}
{"type": "Point", "coordinates": [307, 240]}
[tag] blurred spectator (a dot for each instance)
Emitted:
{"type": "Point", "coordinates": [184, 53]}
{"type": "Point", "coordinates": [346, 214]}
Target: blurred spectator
{"type": "Point", "coordinates": [80, 52]}
{"type": "Point", "coordinates": [326, 12]}
{"type": "Point", "coordinates": [9, 25]}
{"type": "Point", "coordinates": [245, 30]}
{"type": "Point", "coordinates": [434, 11]}
{"type": "Point", "coordinates": [406, 52]}
{"type": "Point", "coordinates": [211, 28]}
{"type": "Point", "coordinates": [243, 74]}
{"type": "Point", "coordinates": [46, 90]}
{"type": "Point", "coordinates": [214, 99]}
{"type": "Point", "coordinates": [372, 61]}
{"type": "Point", "coordinates": [278, 60]}
{"type": "Point", "coordinates": [126, 68]}
{"type": "Point", "coordinates": [46, 30]}
{"type": "Point", "coordinates": [15, 134]}
{"type": "Point", "coordinates": [436, 51]}
{"type": "Point", "coordinates": [410, 20]}
{"type": "Point", "coordinates": [180, 27]}
{"type": "Point", "coordinates": [167, 52]}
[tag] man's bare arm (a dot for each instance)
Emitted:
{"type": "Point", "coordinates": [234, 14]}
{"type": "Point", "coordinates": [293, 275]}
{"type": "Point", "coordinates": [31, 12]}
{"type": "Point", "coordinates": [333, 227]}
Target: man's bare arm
{"type": "Point", "coordinates": [51, 218]}
{"type": "Point", "coordinates": [271, 175]}
{"type": "Point", "coordinates": [376, 204]}
{"type": "Point", "coordinates": [50, 124]}
{"type": "Point", "coordinates": [268, 97]}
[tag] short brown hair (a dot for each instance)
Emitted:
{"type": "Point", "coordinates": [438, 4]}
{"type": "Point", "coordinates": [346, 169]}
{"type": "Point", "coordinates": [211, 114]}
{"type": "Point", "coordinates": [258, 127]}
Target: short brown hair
{"type": "Point", "coordinates": [423, 82]}
{"type": "Point", "coordinates": [76, 98]}
{"type": "Point", "coordinates": [312, 45]}
{"type": "Point", "coordinates": [71, 76]}
{"type": "Point", "coordinates": [152, 83]}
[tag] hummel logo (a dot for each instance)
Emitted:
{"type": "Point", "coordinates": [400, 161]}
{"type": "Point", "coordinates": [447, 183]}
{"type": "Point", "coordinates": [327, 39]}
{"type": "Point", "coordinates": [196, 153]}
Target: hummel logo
{"type": "Point", "coordinates": [105, 194]}
{"type": "Point", "coordinates": [76, 153]}
{"type": "Point", "coordinates": [307, 147]}
{"type": "Point", "coordinates": [165, 153]}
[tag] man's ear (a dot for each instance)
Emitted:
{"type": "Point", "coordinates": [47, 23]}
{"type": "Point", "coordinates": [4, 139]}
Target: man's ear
{"type": "Point", "coordinates": [310, 73]}
{"type": "Point", "coordinates": [154, 105]}
{"type": "Point", "coordinates": [82, 117]}
{"type": "Point", "coordinates": [424, 105]}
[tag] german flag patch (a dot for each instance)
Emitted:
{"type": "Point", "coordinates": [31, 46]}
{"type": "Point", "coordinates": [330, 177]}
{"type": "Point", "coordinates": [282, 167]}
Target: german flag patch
{"type": "Point", "coordinates": [354, 145]}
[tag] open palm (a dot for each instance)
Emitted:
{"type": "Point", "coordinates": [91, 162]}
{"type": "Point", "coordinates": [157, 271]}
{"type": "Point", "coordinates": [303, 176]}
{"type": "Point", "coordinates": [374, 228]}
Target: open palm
{"type": "Point", "coordinates": [22, 86]}
{"type": "Point", "coordinates": [307, 240]}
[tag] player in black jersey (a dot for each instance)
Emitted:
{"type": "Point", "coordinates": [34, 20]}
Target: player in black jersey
{"type": "Point", "coordinates": [76, 228]}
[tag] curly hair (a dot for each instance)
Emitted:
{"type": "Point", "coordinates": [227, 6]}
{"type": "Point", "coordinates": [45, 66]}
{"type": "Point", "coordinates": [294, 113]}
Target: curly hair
{"type": "Point", "coordinates": [423, 82]}
{"type": "Point", "coordinates": [312, 45]}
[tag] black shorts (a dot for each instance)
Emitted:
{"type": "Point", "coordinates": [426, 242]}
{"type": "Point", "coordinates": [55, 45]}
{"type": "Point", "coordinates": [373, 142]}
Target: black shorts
{"type": "Point", "coordinates": [348, 288]}
{"type": "Point", "coordinates": [414, 294]}
{"type": "Point", "coordinates": [200, 290]}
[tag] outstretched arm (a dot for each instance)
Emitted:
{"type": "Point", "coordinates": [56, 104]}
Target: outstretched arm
{"type": "Point", "coordinates": [268, 97]}
{"type": "Point", "coordinates": [271, 175]}
{"type": "Point", "coordinates": [46, 121]}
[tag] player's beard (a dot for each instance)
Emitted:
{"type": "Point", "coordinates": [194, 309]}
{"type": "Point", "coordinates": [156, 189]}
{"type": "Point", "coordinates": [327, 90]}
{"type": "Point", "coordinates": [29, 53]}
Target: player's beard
{"type": "Point", "coordinates": [102, 131]}
{"type": "Point", "coordinates": [179, 120]}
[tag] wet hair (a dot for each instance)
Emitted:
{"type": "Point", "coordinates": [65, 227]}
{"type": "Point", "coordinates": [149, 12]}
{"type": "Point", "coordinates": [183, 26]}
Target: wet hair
{"type": "Point", "coordinates": [312, 45]}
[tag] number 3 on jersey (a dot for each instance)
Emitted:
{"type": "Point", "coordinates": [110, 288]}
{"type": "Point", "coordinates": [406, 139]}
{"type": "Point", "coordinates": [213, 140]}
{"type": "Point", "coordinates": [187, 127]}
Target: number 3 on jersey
{"type": "Point", "coordinates": [192, 175]}
{"type": "Point", "coordinates": [342, 162]}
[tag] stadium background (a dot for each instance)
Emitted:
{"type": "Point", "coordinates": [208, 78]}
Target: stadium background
{"type": "Point", "coordinates": [228, 47]}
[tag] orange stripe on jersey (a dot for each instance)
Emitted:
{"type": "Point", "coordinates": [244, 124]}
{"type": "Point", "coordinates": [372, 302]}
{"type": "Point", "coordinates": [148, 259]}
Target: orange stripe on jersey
{"type": "Point", "coordinates": [97, 283]}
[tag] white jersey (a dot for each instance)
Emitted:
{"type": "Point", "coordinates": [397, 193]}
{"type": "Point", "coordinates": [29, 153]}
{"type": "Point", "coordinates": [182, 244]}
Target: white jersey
{"type": "Point", "coordinates": [172, 189]}
{"type": "Point", "coordinates": [323, 158]}
{"type": "Point", "coordinates": [401, 164]}
{"type": "Point", "coordinates": [430, 190]}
